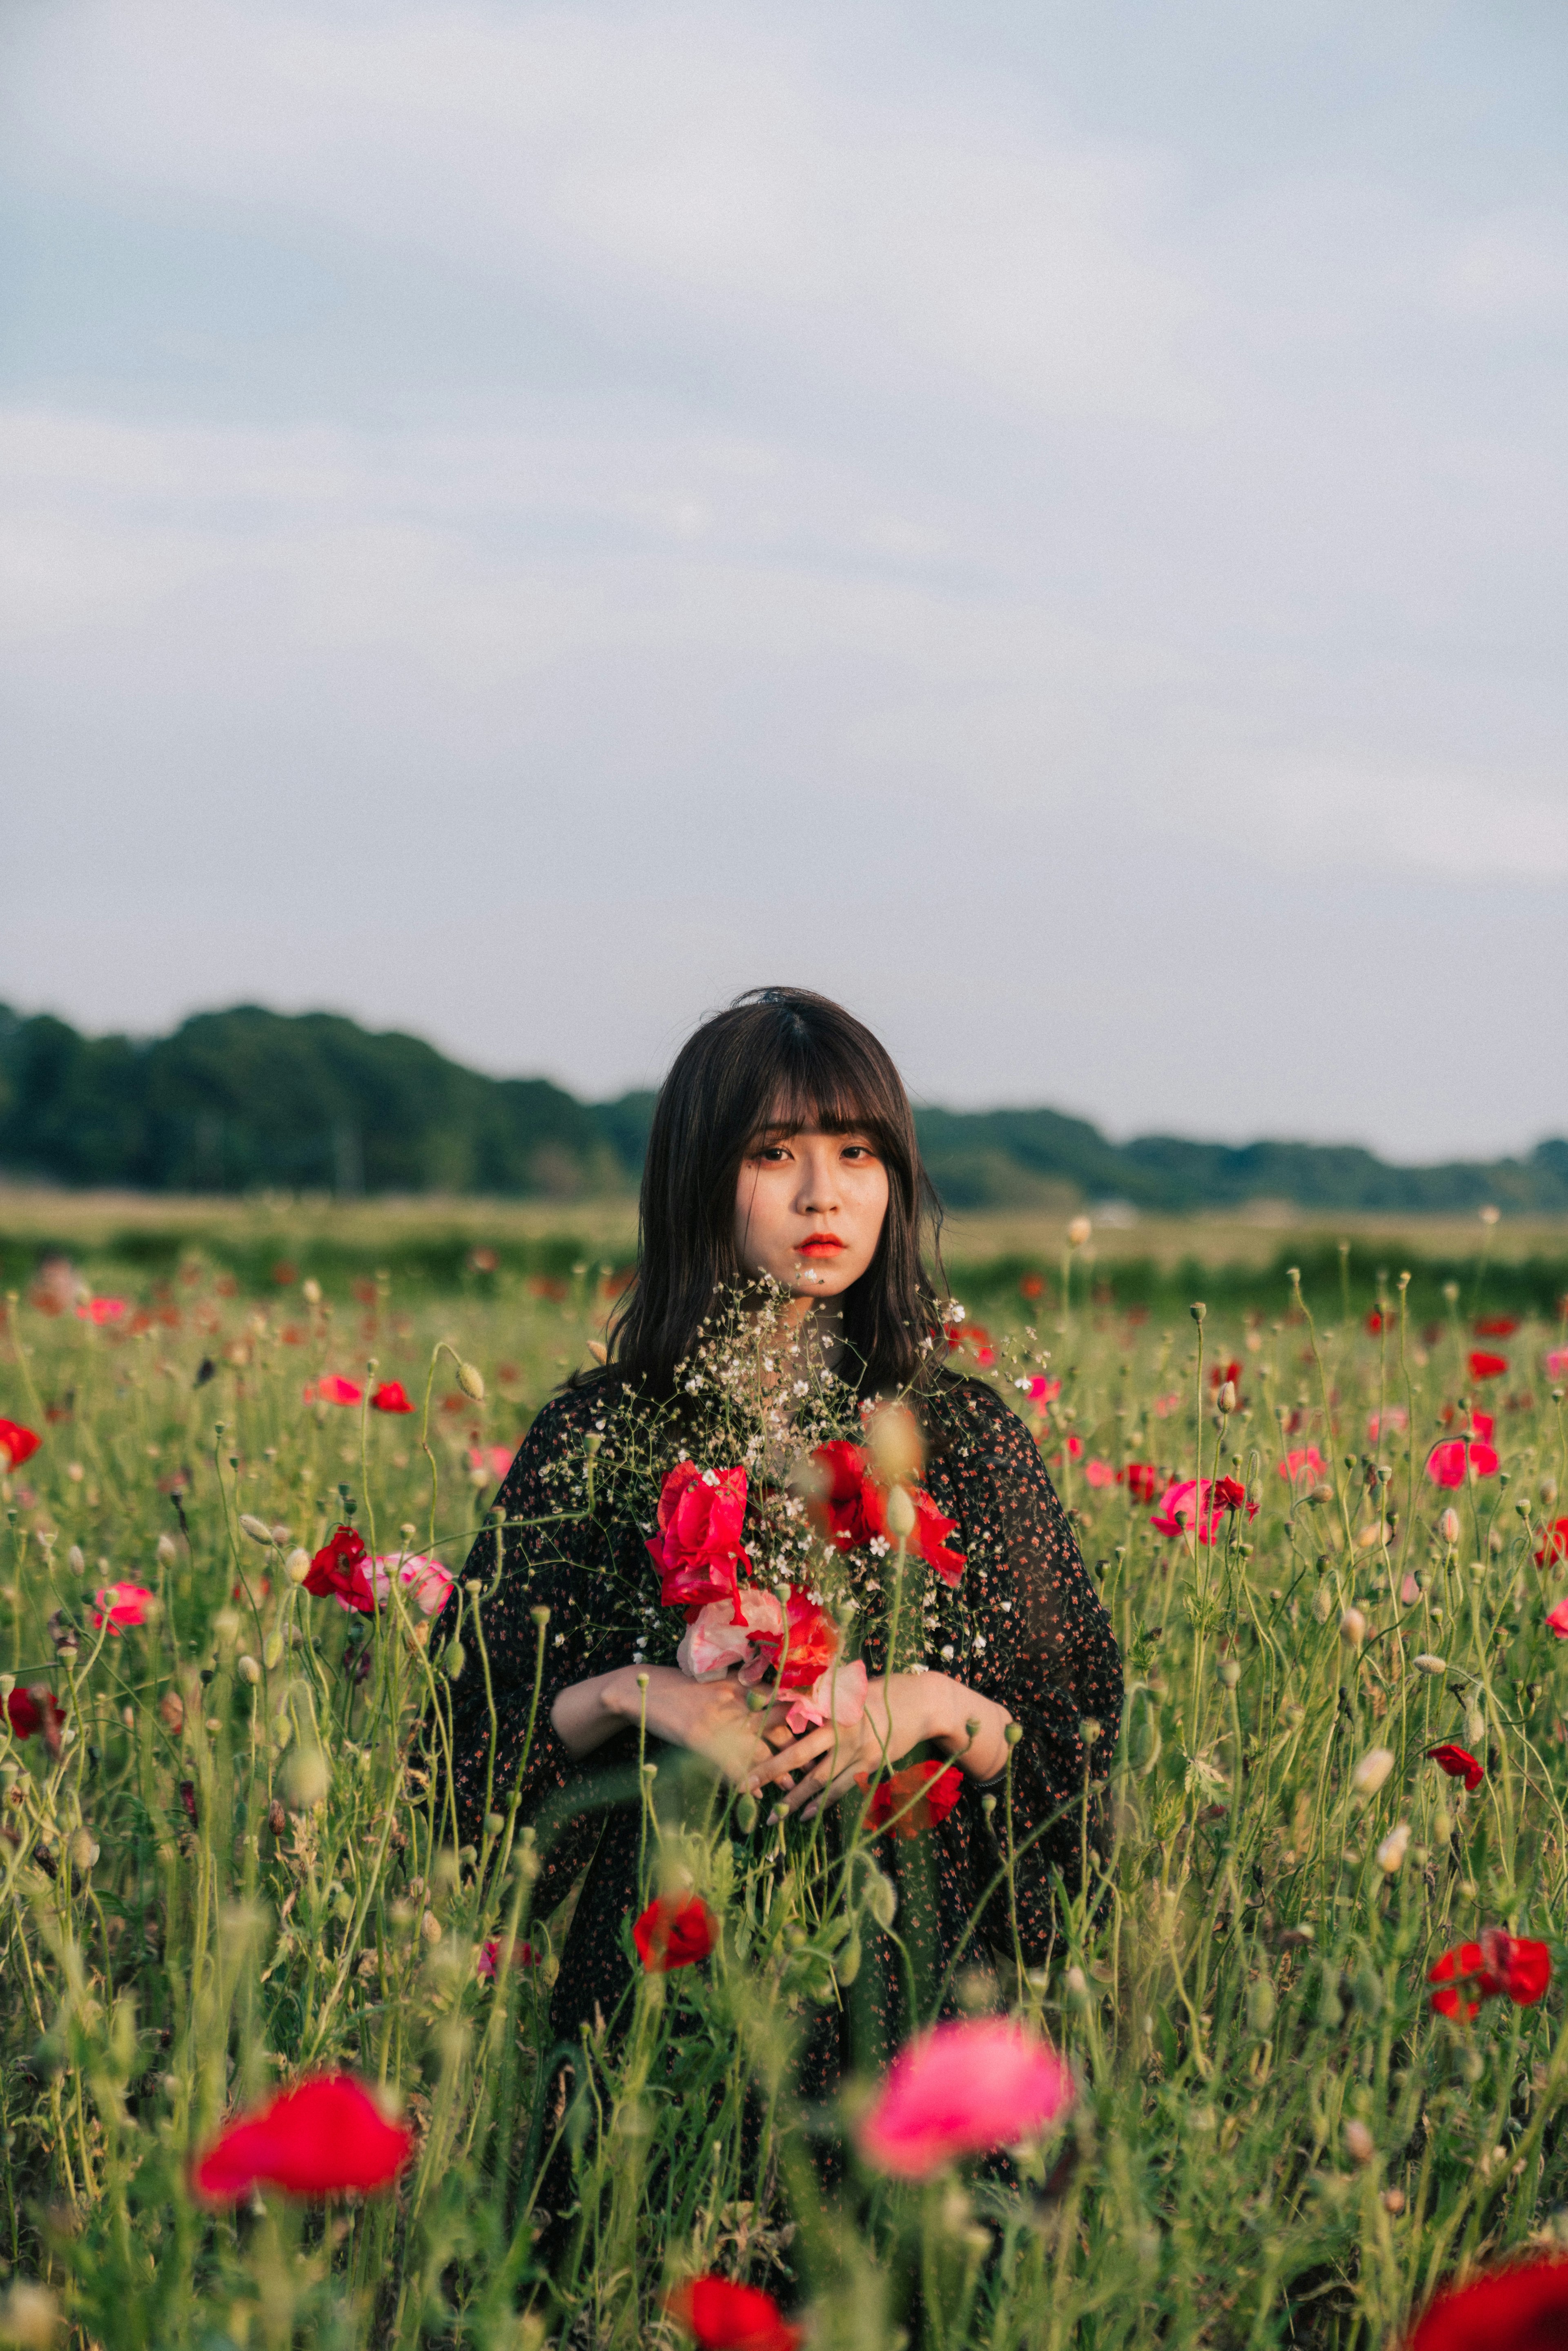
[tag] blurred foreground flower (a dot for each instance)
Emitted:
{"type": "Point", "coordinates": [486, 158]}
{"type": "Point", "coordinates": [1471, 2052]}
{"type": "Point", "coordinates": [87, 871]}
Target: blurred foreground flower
{"type": "Point", "coordinates": [935, 1792]}
{"type": "Point", "coordinates": [126, 1604]}
{"type": "Point", "coordinates": [18, 1443]}
{"type": "Point", "coordinates": [962, 2088]}
{"type": "Point", "coordinates": [1459, 1764]}
{"type": "Point", "coordinates": [323, 2138]}
{"type": "Point", "coordinates": [1523, 2308]}
{"type": "Point", "coordinates": [725, 2317]}
{"type": "Point", "coordinates": [35, 1709]}
{"type": "Point", "coordinates": [391, 1397]}
{"type": "Point", "coordinates": [1499, 1963]}
{"type": "Point", "coordinates": [672, 1934]}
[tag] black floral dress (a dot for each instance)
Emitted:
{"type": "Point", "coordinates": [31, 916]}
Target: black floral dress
{"type": "Point", "coordinates": [1031, 1633]}
{"type": "Point", "coordinates": [1027, 1630]}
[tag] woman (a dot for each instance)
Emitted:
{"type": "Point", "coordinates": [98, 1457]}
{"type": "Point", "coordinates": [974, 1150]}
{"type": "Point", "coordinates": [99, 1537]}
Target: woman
{"type": "Point", "coordinates": [783, 1154]}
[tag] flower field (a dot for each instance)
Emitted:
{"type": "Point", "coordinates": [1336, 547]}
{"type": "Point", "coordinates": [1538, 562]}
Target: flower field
{"type": "Point", "coordinates": [277, 2065]}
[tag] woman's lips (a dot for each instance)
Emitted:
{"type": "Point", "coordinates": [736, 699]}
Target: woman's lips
{"type": "Point", "coordinates": [819, 1245]}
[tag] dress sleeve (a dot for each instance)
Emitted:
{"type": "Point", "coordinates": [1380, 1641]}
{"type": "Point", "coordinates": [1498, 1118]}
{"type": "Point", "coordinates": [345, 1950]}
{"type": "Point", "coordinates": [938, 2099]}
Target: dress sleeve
{"type": "Point", "coordinates": [1045, 1650]}
{"type": "Point", "coordinates": [555, 1560]}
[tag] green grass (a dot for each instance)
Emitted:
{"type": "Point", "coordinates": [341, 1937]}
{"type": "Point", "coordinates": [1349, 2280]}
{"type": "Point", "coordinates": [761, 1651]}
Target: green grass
{"type": "Point", "coordinates": [238, 1870]}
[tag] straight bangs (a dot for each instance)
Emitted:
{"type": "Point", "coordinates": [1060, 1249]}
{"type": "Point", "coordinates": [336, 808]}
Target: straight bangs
{"type": "Point", "coordinates": [777, 1062]}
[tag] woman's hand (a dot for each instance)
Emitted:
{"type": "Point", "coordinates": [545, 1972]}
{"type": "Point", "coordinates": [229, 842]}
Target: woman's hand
{"type": "Point", "coordinates": [902, 1711]}
{"type": "Point", "coordinates": [713, 1719]}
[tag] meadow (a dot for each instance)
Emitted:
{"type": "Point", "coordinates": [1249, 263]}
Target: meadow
{"type": "Point", "coordinates": [229, 1865]}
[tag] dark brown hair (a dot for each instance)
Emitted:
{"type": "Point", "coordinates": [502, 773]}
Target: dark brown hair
{"type": "Point", "coordinates": [777, 1055]}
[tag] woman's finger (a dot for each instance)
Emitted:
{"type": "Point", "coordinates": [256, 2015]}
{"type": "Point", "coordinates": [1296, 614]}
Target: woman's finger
{"type": "Point", "coordinates": [837, 1787]}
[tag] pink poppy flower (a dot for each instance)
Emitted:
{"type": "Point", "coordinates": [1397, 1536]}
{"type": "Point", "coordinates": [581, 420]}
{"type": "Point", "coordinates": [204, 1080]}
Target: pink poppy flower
{"type": "Point", "coordinates": [1164, 1406]}
{"type": "Point", "coordinates": [1557, 1363]}
{"type": "Point", "coordinates": [1201, 1503]}
{"type": "Point", "coordinates": [1409, 1593]}
{"type": "Point", "coordinates": [331, 1389]}
{"type": "Point", "coordinates": [1446, 1462]}
{"type": "Point", "coordinates": [100, 1310]}
{"type": "Point", "coordinates": [1304, 1461]}
{"type": "Point", "coordinates": [427, 1582]}
{"type": "Point", "coordinates": [1042, 1391]}
{"type": "Point", "coordinates": [1392, 1421]}
{"type": "Point", "coordinates": [1557, 1622]}
{"type": "Point", "coordinates": [494, 1458]}
{"type": "Point", "coordinates": [722, 1634]}
{"type": "Point", "coordinates": [1099, 1474]}
{"type": "Point", "coordinates": [838, 1695]}
{"type": "Point", "coordinates": [126, 1605]}
{"type": "Point", "coordinates": [963, 2087]}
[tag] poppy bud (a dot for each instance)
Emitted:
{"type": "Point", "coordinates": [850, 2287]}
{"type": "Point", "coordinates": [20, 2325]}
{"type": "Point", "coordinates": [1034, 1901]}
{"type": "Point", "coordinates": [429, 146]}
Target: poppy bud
{"type": "Point", "coordinates": [471, 1383]}
{"type": "Point", "coordinates": [1393, 2201]}
{"type": "Point", "coordinates": [1014, 1732]}
{"type": "Point", "coordinates": [168, 1551]}
{"type": "Point", "coordinates": [248, 1669]}
{"type": "Point", "coordinates": [277, 1818]}
{"type": "Point", "coordinates": [745, 1813]}
{"type": "Point", "coordinates": [1359, 2143]}
{"type": "Point", "coordinates": [430, 1926]}
{"type": "Point", "coordinates": [1372, 1771]}
{"type": "Point", "coordinates": [1476, 1727]}
{"type": "Point", "coordinates": [82, 1851]}
{"type": "Point", "coordinates": [1449, 1527]}
{"type": "Point", "coordinates": [1353, 1628]}
{"type": "Point", "coordinates": [453, 1661]}
{"type": "Point", "coordinates": [1391, 1852]}
{"type": "Point", "coordinates": [1426, 1663]}
{"type": "Point", "coordinates": [901, 1515]}
{"type": "Point", "coordinates": [171, 1710]}
{"type": "Point", "coordinates": [881, 1898]}
{"type": "Point", "coordinates": [599, 1351]}
{"type": "Point", "coordinates": [297, 1566]}
{"type": "Point", "coordinates": [1226, 1398]}
{"type": "Point", "coordinates": [893, 1438]}
{"type": "Point", "coordinates": [256, 1529]}
{"type": "Point", "coordinates": [310, 1290]}
{"type": "Point", "coordinates": [1261, 2005]}
{"type": "Point", "coordinates": [307, 1778]}
{"type": "Point", "coordinates": [272, 1653]}
{"type": "Point", "coordinates": [1079, 1230]}
{"type": "Point", "coordinates": [1230, 1673]}
{"type": "Point", "coordinates": [75, 1560]}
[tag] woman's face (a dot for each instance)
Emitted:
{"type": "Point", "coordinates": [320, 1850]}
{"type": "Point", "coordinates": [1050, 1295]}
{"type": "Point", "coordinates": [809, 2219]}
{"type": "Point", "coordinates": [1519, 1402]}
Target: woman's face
{"type": "Point", "coordinates": [809, 1210]}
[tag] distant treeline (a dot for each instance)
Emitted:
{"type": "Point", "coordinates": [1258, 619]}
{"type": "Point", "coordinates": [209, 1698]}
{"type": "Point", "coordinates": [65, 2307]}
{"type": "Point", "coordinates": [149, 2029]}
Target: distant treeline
{"type": "Point", "coordinates": [249, 1100]}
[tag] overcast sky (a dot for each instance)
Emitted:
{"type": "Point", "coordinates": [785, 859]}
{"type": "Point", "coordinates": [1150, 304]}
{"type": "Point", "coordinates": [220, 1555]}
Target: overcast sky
{"type": "Point", "coordinates": [1047, 522]}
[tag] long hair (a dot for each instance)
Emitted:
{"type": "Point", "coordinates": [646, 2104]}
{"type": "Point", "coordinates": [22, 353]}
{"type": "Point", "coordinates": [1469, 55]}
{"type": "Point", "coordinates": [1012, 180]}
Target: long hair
{"type": "Point", "coordinates": [777, 1055]}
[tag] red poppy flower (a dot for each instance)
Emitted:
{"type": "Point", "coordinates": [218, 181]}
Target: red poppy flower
{"type": "Point", "coordinates": [725, 2317]}
{"type": "Point", "coordinates": [1497, 1326]}
{"type": "Point", "coordinates": [126, 1605]}
{"type": "Point", "coordinates": [18, 1443]}
{"type": "Point", "coordinates": [1201, 1502]}
{"type": "Point", "coordinates": [812, 1645]}
{"type": "Point", "coordinates": [1446, 1463]}
{"type": "Point", "coordinates": [323, 2138]}
{"type": "Point", "coordinates": [1521, 2308]}
{"type": "Point", "coordinates": [523, 1956]}
{"type": "Point", "coordinates": [1553, 1543]}
{"type": "Point", "coordinates": [1220, 1372]}
{"type": "Point", "coordinates": [1499, 1963]}
{"type": "Point", "coordinates": [854, 1510]}
{"type": "Point", "coordinates": [672, 1934]}
{"type": "Point", "coordinates": [1459, 1765]}
{"type": "Point", "coordinates": [698, 1550]}
{"type": "Point", "coordinates": [1375, 1322]}
{"type": "Point", "coordinates": [1485, 1367]}
{"type": "Point", "coordinates": [35, 1709]}
{"type": "Point", "coordinates": [331, 1389]}
{"type": "Point", "coordinates": [391, 1397]}
{"type": "Point", "coordinates": [338, 1570]}
{"type": "Point", "coordinates": [934, 1788]}
{"type": "Point", "coordinates": [100, 1310]}
{"type": "Point", "coordinates": [1142, 1480]}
